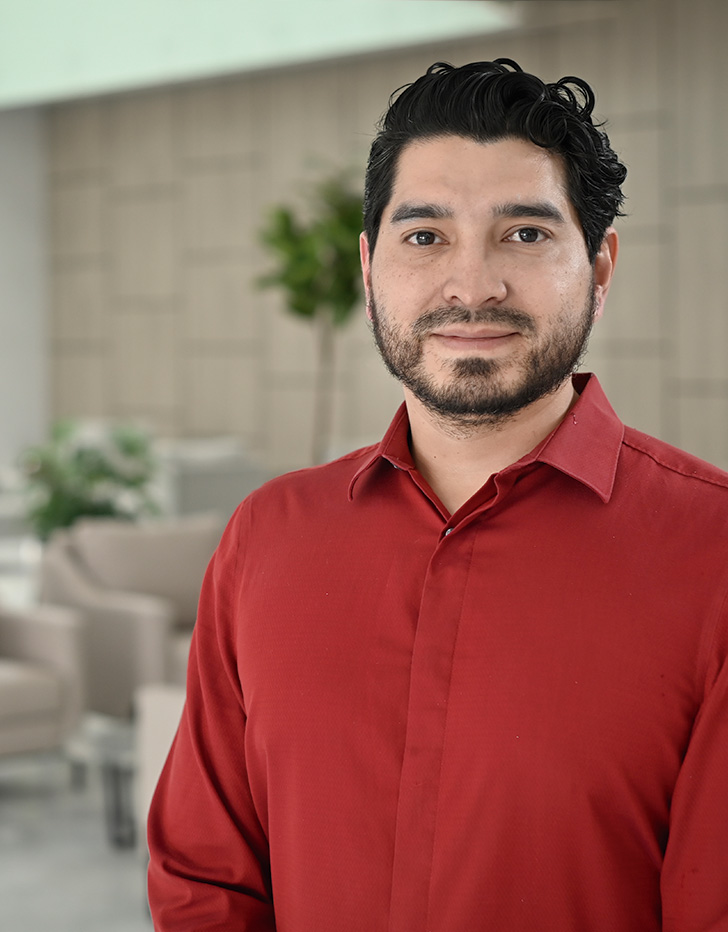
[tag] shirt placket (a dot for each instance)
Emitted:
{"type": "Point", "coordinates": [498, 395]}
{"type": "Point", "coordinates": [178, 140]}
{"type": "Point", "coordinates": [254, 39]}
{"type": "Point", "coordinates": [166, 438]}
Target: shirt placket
{"type": "Point", "coordinates": [430, 679]}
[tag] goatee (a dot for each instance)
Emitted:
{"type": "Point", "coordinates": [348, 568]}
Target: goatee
{"type": "Point", "coordinates": [475, 390]}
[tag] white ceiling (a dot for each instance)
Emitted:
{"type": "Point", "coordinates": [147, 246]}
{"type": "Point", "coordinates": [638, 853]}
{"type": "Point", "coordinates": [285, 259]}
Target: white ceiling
{"type": "Point", "coordinates": [61, 49]}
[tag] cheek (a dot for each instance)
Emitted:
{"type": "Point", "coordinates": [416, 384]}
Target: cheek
{"type": "Point", "coordinates": [404, 289]}
{"type": "Point", "coordinates": [561, 286]}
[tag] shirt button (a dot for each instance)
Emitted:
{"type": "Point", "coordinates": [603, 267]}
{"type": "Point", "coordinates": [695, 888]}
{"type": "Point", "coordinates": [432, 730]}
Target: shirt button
{"type": "Point", "coordinates": [448, 531]}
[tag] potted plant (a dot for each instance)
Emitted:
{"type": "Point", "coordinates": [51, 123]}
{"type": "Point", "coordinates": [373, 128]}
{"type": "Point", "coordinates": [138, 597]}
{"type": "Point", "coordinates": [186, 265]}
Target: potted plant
{"type": "Point", "coordinates": [319, 272]}
{"type": "Point", "coordinates": [88, 470]}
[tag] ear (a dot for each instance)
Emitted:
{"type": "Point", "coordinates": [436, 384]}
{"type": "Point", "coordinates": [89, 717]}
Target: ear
{"type": "Point", "coordinates": [366, 270]}
{"type": "Point", "coordinates": [604, 264]}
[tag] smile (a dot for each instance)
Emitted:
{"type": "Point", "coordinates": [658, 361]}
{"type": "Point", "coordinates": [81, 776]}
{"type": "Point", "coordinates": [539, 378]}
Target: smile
{"type": "Point", "coordinates": [481, 340]}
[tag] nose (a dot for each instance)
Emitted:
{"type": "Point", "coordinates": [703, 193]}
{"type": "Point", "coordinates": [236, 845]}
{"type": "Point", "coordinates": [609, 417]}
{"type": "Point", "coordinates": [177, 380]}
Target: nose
{"type": "Point", "coordinates": [474, 278]}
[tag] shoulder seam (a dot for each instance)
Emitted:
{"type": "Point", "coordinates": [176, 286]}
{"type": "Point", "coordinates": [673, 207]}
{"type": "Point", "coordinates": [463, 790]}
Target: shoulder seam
{"type": "Point", "coordinates": [676, 469]}
{"type": "Point", "coordinates": [344, 458]}
{"type": "Point", "coordinates": [356, 454]}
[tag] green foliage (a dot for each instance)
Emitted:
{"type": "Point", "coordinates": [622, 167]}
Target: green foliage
{"type": "Point", "coordinates": [88, 471]}
{"type": "Point", "coordinates": [318, 262]}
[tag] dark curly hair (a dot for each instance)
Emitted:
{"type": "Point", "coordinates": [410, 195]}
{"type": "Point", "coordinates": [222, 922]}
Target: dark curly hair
{"type": "Point", "coordinates": [488, 101]}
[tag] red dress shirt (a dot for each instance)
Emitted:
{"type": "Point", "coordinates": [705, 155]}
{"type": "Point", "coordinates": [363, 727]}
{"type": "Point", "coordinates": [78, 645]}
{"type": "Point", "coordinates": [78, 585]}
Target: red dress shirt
{"type": "Point", "coordinates": [514, 718]}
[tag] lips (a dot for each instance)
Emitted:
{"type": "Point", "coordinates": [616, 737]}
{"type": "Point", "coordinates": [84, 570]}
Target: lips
{"type": "Point", "coordinates": [481, 339]}
{"type": "Point", "coordinates": [470, 334]}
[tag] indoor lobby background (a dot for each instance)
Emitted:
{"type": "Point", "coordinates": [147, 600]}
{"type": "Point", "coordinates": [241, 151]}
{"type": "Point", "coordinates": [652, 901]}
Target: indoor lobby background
{"type": "Point", "coordinates": [130, 220]}
{"type": "Point", "coordinates": [128, 285]}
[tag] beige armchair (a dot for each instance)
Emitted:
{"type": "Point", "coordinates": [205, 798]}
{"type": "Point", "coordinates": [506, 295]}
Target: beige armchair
{"type": "Point", "coordinates": [138, 586]}
{"type": "Point", "coordinates": [41, 677]}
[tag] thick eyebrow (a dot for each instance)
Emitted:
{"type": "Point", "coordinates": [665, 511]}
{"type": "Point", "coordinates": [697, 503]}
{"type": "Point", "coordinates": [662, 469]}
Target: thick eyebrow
{"type": "Point", "coordinates": [411, 211]}
{"type": "Point", "coordinates": [541, 210]}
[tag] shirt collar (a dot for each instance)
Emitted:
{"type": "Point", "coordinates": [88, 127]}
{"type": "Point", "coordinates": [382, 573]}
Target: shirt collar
{"type": "Point", "coordinates": [393, 447]}
{"type": "Point", "coordinates": [585, 445]}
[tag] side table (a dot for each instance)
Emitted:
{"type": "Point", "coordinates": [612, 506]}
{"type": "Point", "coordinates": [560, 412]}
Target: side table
{"type": "Point", "coordinates": [108, 743]}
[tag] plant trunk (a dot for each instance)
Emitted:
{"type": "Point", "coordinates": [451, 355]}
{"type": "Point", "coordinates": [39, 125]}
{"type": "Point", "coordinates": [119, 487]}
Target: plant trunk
{"type": "Point", "coordinates": [324, 388]}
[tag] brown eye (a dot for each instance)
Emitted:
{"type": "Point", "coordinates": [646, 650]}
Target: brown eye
{"type": "Point", "coordinates": [528, 235]}
{"type": "Point", "coordinates": [423, 238]}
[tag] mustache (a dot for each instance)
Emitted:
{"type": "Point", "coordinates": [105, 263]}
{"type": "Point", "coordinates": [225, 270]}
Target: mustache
{"type": "Point", "coordinates": [441, 316]}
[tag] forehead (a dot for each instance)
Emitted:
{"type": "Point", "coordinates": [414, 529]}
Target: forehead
{"type": "Point", "coordinates": [455, 170]}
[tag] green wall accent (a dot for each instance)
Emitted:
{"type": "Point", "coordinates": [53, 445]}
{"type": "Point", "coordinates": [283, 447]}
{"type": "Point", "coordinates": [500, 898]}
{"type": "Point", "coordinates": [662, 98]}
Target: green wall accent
{"type": "Point", "coordinates": [61, 49]}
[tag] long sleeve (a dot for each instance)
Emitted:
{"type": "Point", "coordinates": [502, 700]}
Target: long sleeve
{"type": "Point", "coordinates": [695, 871]}
{"type": "Point", "coordinates": [391, 727]}
{"type": "Point", "coordinates": [209, 864]}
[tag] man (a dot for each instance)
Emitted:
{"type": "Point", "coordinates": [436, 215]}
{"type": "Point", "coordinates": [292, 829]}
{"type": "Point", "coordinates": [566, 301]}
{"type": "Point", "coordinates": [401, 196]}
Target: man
{"type": "Point", "coordinates": [474, 677]}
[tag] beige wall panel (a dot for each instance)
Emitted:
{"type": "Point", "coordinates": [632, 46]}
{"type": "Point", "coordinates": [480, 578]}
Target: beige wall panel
{"type": "Point", "coordinates": [246, 415]}
{"type": "Point", "coordinates": [703, 428]}
{"type": "Point", "coordinates": [634, 388]}
{"type": "Point", "coordinates": [633, 48]}
{"type": "Point", "coordinates": [223, 120]}
{"type": "Point", "coordinates": [216, 210]}
{"type": "Point", "coordinates": [633, 309]}
{"type": "Point", "coordinates": [585, 50]}
{"type": "Point", "coordinates": [304, 137]}
{"type": "Point", "coordinates": [81, 304]}
{"type": "Point", "coordinates": [701, 85]}
{"type": "Point", "coordinates": [161, 422]}
{"type": "Point", "coordinates": [291, 343]}
{"type": "Point", "coordinates": [144, 258]}
{"type": "Point", "coordinates": [367, 90]}
{"type": "Point", "coordinates": [374, 396]}
{"type": "Point", "coordinates": [80, 385]}
{"type": "Point", "coordinates": [144, 361]}
{"type": "Point", "coordinates": [640, 150]}
{"type": "Point", "coordinates": [261, 199]}
{"type": "Point", "coordinates": [354, 344]}
{"type": "Point", "coordinates": [76, 139]}
{"type": "Point", "coordinates": [221, 395]}
{"type": "Point", "coordinates": [77, 217]}
{"type": "Point", "coordinates": [702, 317]}
{"type": "Point", "coordinates": [354, 339]}
{"type": "Point", "coordinates": [143, 148]}
{"type": "Point", "coordinates": [289, 425]}
{"type": "Point", "coordinates": [219, 306]}
{"type": "Point", "coordinates": [550, 14]}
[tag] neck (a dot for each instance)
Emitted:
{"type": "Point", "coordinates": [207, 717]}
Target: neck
{"type": "Point", "coordinates": [456, 459]}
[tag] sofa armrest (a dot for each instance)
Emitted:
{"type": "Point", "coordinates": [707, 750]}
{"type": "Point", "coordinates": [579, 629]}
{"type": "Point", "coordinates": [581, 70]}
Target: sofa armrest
{"type": "Point", "coordinates": [128, 638]}
{"type": "Point", "coordinates": [50, 636]}
{"type": "Point", "coordinates": [128, 633]}
{"type": "Point", "coordinates": [148, 622]}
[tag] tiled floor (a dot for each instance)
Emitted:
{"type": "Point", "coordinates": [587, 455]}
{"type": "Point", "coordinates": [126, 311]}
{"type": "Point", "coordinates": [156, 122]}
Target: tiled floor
{"type": "Point", "coordinates": [57, 869]}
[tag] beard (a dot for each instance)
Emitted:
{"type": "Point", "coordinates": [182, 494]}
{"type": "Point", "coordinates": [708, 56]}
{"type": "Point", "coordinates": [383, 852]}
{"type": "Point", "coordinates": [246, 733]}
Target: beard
{"type": "Point", "coordinates": [475, 390]}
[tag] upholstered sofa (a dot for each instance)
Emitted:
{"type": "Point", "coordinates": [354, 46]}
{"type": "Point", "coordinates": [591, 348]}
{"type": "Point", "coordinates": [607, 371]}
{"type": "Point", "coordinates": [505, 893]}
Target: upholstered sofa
{"type": "Point", "coordinates": [137, 585]}
{"type": "Point", "coordinates": [41, 677]}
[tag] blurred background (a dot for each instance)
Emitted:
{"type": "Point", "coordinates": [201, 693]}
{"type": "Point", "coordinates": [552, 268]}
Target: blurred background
{"type": "Point", "coordinates": [143, 148]}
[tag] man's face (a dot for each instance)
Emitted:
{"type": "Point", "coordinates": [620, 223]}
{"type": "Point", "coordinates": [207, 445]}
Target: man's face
{"type": "Point", "coordinates": [480, 290]}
